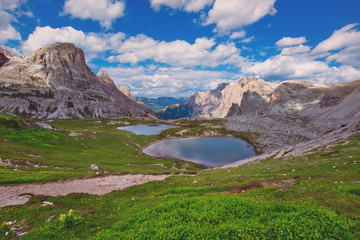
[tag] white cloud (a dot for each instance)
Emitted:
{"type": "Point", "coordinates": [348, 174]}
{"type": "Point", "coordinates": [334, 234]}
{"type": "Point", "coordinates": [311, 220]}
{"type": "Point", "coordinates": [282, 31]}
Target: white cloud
{"type": "Point", "coordinates": [345, 37]}
{"type": "Point", "coordinates": [186, 5]}
{"type": "Point", "coordinates": [247, 40]}
{"type": "Point", "coordinates": [300, 67]}
{"type": "Point", "coordinates": [104, 11]}
{"type": "Point", "coordinates": [204, 52]}
{"type": "Point", "coordinates": [239, 34]}
{"type": "Point", "coordinates": [5, 19]}
{"type": "Point", "coordinates": [349, 56]}
{"type": "Point", "coordinates": [9, 34]}
{"type": "Point", "coordinates": [289, 41]}
{"type": "Point", "coordinates": [235, 14]}
{"type": "Point", "coordinates": [7, 31]}
{"type": "Point", "coordinates": [92, 43]}
{"type": "Point", "coordinates": [167, 81]}
{"type": "Point", "coordinates": [9, 4]}
{"type": "Point", "coordinates": [295, 50]}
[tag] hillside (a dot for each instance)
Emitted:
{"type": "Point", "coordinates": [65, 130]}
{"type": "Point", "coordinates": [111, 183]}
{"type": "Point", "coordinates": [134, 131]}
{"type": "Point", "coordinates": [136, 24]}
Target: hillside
{"type": "Point", "coordinates": [55, 82]}
{"type": "Point", "coordinates": [315, 195]}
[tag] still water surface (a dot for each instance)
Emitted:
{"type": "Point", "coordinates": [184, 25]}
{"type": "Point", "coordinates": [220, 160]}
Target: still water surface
{"type": "Point", "coordinates": [147, 129]}
{"type": "Point", "coordinates": [207, 151]}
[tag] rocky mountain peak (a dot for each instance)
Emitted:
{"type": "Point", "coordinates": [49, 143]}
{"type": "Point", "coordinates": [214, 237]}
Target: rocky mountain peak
{"type": "Point", "coordinates": [6, 53]}
{"type": "Point", "coordinates": [5, 56]}
{"type": "Point", "coordinates": [253, 96]}
{"type": "Point", "coordinates": [103, 76]}
{"type": "Point", "coordinates": [55, 82]}
{"type": "Point", "coordinates": [59, 55]}
{"type": "Point", "coordinates": [107, 79]}
{"type": "Point", "coordinates": [126, 91]}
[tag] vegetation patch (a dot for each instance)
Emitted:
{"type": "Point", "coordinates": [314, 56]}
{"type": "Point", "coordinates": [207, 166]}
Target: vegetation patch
{"type": "Point", "coordinates": [231, 217]}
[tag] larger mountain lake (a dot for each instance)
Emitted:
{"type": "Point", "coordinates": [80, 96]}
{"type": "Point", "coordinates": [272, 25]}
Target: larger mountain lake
{"type": "Point", "coordinates": [206, 151]}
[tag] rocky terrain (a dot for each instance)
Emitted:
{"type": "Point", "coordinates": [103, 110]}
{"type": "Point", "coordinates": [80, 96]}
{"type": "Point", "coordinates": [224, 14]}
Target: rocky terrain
{"type": "Point", "coordinates": [278, 115]}
{"type": "Point", "coordinates": [257, 97]}
{"type": "Point", "coordinates": [55, 82]}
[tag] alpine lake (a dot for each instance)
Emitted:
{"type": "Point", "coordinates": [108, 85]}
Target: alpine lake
{"type": "Point", "coordinates": [206, 151]}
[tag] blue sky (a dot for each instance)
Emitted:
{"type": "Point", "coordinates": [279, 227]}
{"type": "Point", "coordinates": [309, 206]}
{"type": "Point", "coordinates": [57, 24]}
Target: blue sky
{"type": "Point", "coordinates": [178, 47]}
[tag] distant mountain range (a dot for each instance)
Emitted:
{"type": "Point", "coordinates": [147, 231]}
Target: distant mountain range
{"type": "Point", "coordinates": [258, 97]}
{"type": "Point", "coordinates": [55, 82]}
{"type": "Point", "coordinates": [159, 103]}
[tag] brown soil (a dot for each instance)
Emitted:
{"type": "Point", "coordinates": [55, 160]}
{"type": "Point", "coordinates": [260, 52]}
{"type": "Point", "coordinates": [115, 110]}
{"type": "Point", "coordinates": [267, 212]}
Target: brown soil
{"type": "Point", "coordinates": [16, 194]}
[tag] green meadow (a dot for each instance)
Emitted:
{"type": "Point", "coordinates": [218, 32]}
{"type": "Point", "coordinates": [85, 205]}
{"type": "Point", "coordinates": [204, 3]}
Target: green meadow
{"type": "Point", "coordinates": [316, 196]}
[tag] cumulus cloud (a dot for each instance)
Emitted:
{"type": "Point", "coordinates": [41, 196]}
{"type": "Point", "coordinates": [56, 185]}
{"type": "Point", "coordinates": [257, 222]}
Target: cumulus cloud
{"type": "Point", "coordinates": [300, 67]}
{"type": "Point", "coordinates": [295, 50]}
{"type": "Point", "coordinates": [91, 43]}
{"type": "Point", "coordinates": [349, 56]}
{"type": "Point", "coordinates": [289, 41]}
{"type": "Point", "coordinates": [9, 4]}
{"type": "Point", "coordinates": [345, 37]}
{"type": "Point", "coordinates": [186, 5]}
{"type": "Point", "coordinates": [204, 52]}
{"type": "Point", "coordinates": [167, 81]}
{"type": "Point", "coordinates": [9, 33]}
{"type": "Point", "coordinates": [235, 14]}
{"type": "Point", "coordinates": [239, 34]}
{"type": "Point", "coordinates": [104, 11]}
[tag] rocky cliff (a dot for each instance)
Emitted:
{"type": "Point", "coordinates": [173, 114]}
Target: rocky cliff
{"type": "Point", "coordinates": [5, 56]}
{"type": "Point", "coordinates": [55, 82]}
{"type": "Point", "coordinates": [252, 96]}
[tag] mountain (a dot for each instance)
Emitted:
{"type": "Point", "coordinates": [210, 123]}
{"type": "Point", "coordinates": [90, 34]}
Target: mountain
{"type": "Point", "coordinates": [159, 103]}
{"type": "Point", "coordinates": [125, 90]}
{"type": "Point", "coordinates": [55, 82]}
{"type": "Point", "coordinates": [5, 56]}
{"type": "Point", "coordinates": [258, 97]}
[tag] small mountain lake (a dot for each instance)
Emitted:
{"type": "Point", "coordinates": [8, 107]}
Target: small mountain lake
{"type": "Point", "coordinates": [147, 129]}
{"type": "Point", "coordinates": [206, 151]}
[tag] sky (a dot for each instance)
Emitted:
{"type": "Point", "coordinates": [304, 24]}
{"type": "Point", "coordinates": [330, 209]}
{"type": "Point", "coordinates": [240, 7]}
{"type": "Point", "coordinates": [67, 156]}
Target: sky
{"type": "Point", "coordinates": [178, 47]}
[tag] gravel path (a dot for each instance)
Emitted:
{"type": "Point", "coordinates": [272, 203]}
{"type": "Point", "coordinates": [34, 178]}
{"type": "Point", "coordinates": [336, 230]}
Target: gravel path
{"type": "Point", "coordinates": [9, 195]}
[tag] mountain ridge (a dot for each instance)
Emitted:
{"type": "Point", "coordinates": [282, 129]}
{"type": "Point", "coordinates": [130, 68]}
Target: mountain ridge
{"type": "Point", "coordinates": [55, 82]}
{"type": "Point", "coordinates": [255, 96]}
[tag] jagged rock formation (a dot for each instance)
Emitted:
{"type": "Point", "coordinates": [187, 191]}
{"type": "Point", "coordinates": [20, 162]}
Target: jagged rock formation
{"type": "Point", "coordinates": [55, 82]}
{"type": "Point", "coordinates": [126, 91]}
{"type": "Point", "coordinates": [5, 56]}
{"type": "Point", "coordinates": [258, 97]}
{"type": "Point", "coordinates": [107, 79]}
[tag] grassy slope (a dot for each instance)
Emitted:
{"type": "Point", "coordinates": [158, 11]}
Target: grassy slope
{"type": "Point", "coordinates": [312, 196]}
{"type": "Point", "coordinates": [67, 156]}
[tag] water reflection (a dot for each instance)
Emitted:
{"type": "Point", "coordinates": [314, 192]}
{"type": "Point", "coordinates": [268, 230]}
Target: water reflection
{"type": "Point", "coordinates": [207, 151]}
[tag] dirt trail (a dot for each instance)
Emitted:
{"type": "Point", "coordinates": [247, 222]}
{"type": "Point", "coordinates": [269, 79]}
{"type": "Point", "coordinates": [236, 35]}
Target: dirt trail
{"type": "Point", "coordinates": [9, 195]}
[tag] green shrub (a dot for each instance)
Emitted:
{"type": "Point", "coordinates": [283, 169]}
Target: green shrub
{"type": "Point", "coordinates": [231, 217]}
{"type": "Point", "coordinates": [68, 226]}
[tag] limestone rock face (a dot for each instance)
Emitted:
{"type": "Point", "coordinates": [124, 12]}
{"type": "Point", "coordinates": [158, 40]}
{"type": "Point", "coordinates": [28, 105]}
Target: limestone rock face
{"type": "Point", "coordinates": [341, 101]}
{"type": "Point", "coordinates": [6, 53]}
{"type": "Point", "coordinates": [107, 79]}
{"type": "Point", "coordinates": [55, 82]}
{"type": "Point", "coordinates": [258, 97]}
{"type": "Point", "coordinates": [3, 59]}
{"type": "Point", "coordinates": [125, 90]}
{"type": "Point", "coordinates": [5, 56]}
